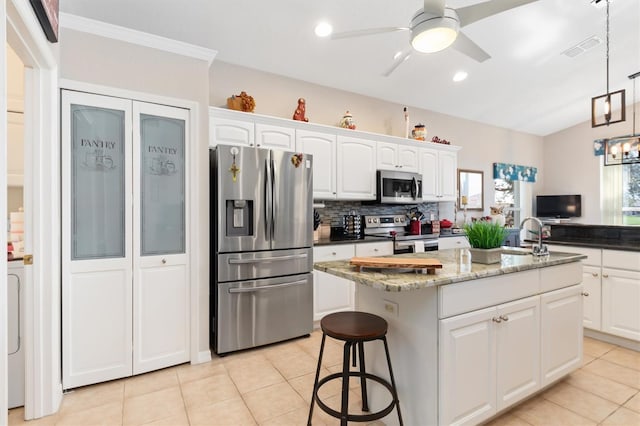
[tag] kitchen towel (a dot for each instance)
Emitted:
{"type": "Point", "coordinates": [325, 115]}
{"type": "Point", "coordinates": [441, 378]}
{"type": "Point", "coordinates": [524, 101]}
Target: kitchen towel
{"type": "Point", "coordinates": [418, 246]}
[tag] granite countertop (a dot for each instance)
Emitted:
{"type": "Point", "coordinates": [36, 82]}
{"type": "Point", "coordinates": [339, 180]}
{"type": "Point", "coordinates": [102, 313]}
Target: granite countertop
{"type": "Point", "coordinates": [594, 244]}
{"type": "Point", "coordinates": [453, 271]}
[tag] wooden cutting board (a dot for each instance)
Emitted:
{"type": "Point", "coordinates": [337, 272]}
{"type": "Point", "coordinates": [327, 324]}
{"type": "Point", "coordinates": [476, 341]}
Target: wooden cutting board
{"type": "Point", "coordinates": [396, 262]}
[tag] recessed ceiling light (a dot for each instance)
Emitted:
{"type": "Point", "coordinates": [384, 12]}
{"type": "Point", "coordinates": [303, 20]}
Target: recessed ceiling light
{"type": "Point", "coordinates": [460, 75]}
{"type": "Point", "coordinates": [323, 29]}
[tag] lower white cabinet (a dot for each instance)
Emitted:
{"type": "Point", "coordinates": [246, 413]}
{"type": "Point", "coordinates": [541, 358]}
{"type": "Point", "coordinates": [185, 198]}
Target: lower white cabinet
{"type": "Point", "coordinates": [621, 303]}
{"type": "Point", "coordinates": [374, 249]}
{"type": "Point", "coordinates": [489, 360]}
{"type": "Point", "coordinates": [561, 332]}
{"type": "Point", "coordinates": [611, 293]}
{"type": "Point", "coordinates": [331, 293]}
{"type": "Point", "coordinates": [591, 314]}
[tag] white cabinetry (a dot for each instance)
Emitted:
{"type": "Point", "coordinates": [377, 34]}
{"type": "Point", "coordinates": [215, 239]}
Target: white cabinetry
{"type": "Point", "coordinates": [489, 359]}
{"type": "Point", "coordinates": [621, 293]}
{"type": "Point", "coordinates": [323, 148]}
{"type": "Point", "coordinates": [224, 131]}
{"type": "Point", "coordinates": [278, 137]}
{"type": "Point", "coordinates": [391, 156]}
{"type": "Point", "coordinates": [611, 281]}
{"type": "Point", "coordinates": [374, 249]}
{"type": "Point", "coordinates": [561, 313]}
{"type": "Point", "coordinates": [438, 168]}
{"type": "Point", "coordinates": [356, 168]}
{"type": "Point", "coordinates": [453, 242]}
{"type": "Point", "coordinates": [331, 293]}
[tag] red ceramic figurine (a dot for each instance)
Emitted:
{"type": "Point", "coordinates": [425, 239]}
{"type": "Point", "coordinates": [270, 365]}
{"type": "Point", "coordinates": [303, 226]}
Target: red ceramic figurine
{"type": "Point", "coordinates": [299, 113]}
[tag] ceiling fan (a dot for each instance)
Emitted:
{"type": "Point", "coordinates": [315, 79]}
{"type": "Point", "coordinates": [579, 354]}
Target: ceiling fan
{"type": "Point", "coordinates": [436, 27]}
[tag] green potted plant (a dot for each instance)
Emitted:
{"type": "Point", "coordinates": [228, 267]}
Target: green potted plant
{"type": "Point", "coordinates": [485, 239]}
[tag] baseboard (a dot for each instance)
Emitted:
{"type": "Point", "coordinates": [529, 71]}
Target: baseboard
{"type": "Point", "coordinates": [203, 356]}
{"type": "Point", "coordinates": [615, 340]}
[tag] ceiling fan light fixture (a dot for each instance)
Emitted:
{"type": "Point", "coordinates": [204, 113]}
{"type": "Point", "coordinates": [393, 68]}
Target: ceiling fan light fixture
{"type": "Point", "coordinates": [323, 29]}
{"type": "Point", "coordinates": [432, 33]}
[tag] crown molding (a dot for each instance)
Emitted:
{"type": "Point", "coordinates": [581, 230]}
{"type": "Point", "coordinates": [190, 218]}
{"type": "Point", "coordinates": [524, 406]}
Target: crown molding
{"type": "Point", "coordinates": [116, 32]}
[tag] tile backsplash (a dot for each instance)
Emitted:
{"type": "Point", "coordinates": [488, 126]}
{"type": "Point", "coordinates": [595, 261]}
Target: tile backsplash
{"type": "Point", "coordinates": [333, 211]}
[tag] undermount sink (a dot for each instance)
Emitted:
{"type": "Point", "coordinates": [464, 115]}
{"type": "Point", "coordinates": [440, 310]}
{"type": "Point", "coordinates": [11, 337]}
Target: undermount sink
{"type": "Point", "coordinates": [517, 251]}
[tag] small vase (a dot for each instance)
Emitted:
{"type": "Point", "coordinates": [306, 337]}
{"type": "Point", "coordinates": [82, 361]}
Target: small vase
{"type": "Point", "coordinates": [486, 256]}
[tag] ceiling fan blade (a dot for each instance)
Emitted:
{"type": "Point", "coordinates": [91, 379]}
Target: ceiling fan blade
{"type": "Point", "coordinates": [476, 12]}
{"type": "Point", "coordinates": [464, 44]}
{"type": "Point", "coordinates": [403, 56]}
{"type": "Point", "coordinates": [367, 31]}
{"type": "Point", "coordinates": [435, 7]}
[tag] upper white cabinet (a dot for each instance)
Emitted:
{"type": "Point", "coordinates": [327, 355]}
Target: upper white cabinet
{"type": "Point", "coordinates": [356, 168]}
{"type": "Point", "coordinates": [345, 161]}
{"type": "Point", "coordinates": [278, 137]}
{"type": "Point", "coordinates": [323, 148]}
{"type": "Point", "coordinates": [391, 156]}
{"type": "Point", "coordinates": [438, 168]}
{"type": "Point", "coordinates": [232, 132]}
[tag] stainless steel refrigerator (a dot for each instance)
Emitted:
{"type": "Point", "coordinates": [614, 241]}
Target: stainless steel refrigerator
{"type": "Point", "coordinates": [261, 246]}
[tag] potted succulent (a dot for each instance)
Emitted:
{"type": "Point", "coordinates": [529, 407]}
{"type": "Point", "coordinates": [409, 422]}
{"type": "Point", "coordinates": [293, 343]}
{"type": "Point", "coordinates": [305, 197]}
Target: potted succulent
{"type": "Point", "coordinates": [485, 239]}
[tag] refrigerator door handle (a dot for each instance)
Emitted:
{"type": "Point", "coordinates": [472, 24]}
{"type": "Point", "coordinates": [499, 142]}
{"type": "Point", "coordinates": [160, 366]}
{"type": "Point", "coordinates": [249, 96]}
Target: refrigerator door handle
{"type": "Point", "coordinates": [267, 259]}
{"type": "Point", "coordinates": [267, 287]}
{"type": "Point", "coordinates": [274, 199]}
{"type": "Point", "coordinates": [268, 185]}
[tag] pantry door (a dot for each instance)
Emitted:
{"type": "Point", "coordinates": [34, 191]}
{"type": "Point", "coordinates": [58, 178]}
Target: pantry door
{"type": "Point", "coordinates": [96, 238]}
{"type": "Point", "coordinates": [161, 314]}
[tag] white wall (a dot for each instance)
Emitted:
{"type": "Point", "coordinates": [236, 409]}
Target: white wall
{"type": "Point", "coordinates": [482, 145]}
{"type": "Point", "coordinates": [101, 61]}
{"type": "Point", "coordinates": [570, 167]}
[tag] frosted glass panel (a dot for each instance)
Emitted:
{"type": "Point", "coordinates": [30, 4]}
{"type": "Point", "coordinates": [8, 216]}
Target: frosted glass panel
{"type": "Point", "coordinates": [163, 187]}
{"type": "Point", "coordinates": [97, 183]}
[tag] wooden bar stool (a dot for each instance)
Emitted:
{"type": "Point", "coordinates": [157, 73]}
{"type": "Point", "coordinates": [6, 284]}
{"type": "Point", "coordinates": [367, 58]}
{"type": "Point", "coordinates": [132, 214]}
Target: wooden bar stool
{"type": "Point", "coordinates": [354, 328]}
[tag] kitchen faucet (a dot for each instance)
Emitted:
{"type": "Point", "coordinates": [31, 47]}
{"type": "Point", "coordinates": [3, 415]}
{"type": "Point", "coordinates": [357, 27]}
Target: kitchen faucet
{"type": "Point", "coordinates": [540, 249]}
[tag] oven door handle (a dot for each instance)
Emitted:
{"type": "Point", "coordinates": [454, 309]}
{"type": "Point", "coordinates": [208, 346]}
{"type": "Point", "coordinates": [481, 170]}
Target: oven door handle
{"type": "Point", "coordinates": [265, 287]}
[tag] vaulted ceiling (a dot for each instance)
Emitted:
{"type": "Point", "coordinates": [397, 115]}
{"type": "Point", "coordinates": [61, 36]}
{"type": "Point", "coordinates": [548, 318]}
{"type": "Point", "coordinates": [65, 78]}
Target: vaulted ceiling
{"type": "Point", "coordinates": [529, 84]}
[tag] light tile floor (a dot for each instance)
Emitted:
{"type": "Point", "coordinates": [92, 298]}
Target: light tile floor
{"type": "Point", "coordinates": [271, 386]}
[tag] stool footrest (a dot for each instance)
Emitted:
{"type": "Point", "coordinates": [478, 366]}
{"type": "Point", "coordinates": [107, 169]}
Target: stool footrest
{"type": "Point", "coordinates": [356, 417]}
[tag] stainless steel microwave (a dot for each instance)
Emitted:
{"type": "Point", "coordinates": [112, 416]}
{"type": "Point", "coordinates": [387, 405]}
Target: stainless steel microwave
{"type": "Point", "coordinates": [398, 187]}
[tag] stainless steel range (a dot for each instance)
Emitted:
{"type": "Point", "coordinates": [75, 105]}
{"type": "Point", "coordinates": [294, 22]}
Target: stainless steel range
{"type": "Point", "coordinates": [394, 227]}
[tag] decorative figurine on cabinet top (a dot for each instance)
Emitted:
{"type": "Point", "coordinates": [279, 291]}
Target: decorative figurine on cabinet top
{"type": "Point", "coordinates": [241, 102]}
{"type": "Point", "coordinates": [347, 121]}
{"type": "Point", "coordinates": [300, 111]}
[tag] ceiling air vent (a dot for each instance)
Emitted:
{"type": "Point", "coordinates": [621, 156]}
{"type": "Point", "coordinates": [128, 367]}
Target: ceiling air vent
{"type": "Point", "coordinates": [582, 47]}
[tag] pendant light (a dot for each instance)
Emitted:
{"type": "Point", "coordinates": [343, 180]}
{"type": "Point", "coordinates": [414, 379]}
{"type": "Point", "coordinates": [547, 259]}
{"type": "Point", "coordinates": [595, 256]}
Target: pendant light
{"type": "Point", "coordinates": [603, 106]}
{"type": "Point", "coordinates": [624, 149]}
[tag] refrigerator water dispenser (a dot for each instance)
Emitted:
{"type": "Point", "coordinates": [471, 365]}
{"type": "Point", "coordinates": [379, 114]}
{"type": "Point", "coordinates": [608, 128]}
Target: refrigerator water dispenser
{"type": "Point", "coordinates": [239, 218]}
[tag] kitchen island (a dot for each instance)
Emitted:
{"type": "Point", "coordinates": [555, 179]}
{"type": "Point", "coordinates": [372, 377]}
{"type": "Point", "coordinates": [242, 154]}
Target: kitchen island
{"type": "Point", "coordinates": [472, 340]}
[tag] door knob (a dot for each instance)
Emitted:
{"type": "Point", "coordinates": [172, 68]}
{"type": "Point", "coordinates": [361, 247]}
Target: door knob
{"type": "Point", "coordinates": [496, 319]}
{"type": "Point", "coordinates": [585, 294]}
{"type": "Point", "coordinates": [595, 274]}
{"type": "Point", "coordinates": [504, 318]}
{"type": "Point", "coordinates": [164, 261]}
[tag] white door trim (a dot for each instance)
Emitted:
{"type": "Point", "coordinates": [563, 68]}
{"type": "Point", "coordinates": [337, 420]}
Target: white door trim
{"type": "Point", "coordinates": [43, 390]}
{"type": "Point", "coordinates": [195, 257]}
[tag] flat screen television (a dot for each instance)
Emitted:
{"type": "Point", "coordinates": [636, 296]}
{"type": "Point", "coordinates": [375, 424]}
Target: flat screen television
{"type": "Point", "coordinates": [558, 206]}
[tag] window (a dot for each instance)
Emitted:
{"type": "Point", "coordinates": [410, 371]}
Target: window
{"type": "Point", "coordinates": [620, 194]}
{"type": "Point", "coordinates": [507, 194]}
